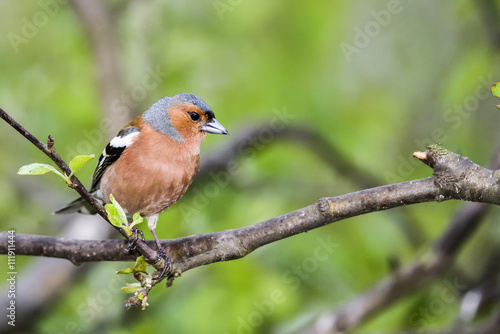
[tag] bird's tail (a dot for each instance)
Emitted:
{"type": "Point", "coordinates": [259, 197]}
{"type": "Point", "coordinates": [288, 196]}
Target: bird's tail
{"type": "Point", "coordinates": [79, 205]}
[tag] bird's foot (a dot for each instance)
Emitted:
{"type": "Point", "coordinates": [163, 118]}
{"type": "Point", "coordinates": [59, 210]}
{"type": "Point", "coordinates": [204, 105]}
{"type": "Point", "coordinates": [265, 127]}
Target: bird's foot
{"type": "Point", "coordinates": [167, 268]}
{"type": "Point", "coordinates": [132, 243]}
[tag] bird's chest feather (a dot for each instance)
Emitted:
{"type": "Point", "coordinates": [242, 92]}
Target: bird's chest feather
{"type": "Point", "coordinates": [152, 174]}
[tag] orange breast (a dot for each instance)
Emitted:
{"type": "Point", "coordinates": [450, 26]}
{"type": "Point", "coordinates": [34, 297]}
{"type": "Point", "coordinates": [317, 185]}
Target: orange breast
{"type": "Point", "coordinates": [152, 174]}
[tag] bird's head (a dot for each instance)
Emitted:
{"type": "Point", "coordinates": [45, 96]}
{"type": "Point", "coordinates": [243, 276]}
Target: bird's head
{"type": "Point", "coordinates": [183, 117]}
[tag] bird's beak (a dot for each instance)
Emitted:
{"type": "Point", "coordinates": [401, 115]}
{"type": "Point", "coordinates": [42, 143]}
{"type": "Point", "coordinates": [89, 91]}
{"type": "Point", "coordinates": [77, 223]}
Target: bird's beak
{"type": "Point", "coordinates": [214, 127]}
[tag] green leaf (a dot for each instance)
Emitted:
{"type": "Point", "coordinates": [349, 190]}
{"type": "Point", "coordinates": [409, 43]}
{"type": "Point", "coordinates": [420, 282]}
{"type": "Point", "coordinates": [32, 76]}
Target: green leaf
{"type": "Point", "coordinates": [39, 169]}
{"type": "Point", "coordinates": [495, 89]}
{"type": "Point", "coordinates": [131, 287]}
{"type": "Point", "coordinates": [125, 271]}
{"type": "Point", "coordinates": [36, 169]}
{"type": "Point", "coordinates": [140, 265]}
{"type": "Point", "coordinates": [119, 209]}
{"type": "Point", "coordinates": [136, 220]}
{"type": "Point", "coordinates": [116, 214]}
{"type": "Point", "coordinates": [79, 161]}
{"type": "Point", "coordinates": [113, 215]}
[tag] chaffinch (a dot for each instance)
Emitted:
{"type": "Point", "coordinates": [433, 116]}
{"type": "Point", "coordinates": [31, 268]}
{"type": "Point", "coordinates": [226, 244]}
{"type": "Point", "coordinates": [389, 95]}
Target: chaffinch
{"type": "Point", "coordinates": [152, 161]}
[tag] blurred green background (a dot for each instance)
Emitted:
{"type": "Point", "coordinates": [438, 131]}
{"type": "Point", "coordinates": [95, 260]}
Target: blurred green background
{"type": "Point", "coordinates": [377, 80]}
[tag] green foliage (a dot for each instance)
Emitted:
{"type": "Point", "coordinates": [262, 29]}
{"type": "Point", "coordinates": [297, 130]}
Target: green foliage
{"type": "Point", "coordinates": [136, 288]}
{"type": "Point", "coordinates": [495, 90]}
{"type": "Point", "coordinates": [136, 220]}
{"type": "Point", "coordinates": [118, 217]}
{"type": "Point", "coordinates": [139, 267]}
{"type": "Point", "coordinates": [39, 169]}
{"type": "Point", "coordinates": [131, 288]}
{"type": "Point", "coordinates": [116, 214]}
{"type": "Point", "coordinates": [79, 161]}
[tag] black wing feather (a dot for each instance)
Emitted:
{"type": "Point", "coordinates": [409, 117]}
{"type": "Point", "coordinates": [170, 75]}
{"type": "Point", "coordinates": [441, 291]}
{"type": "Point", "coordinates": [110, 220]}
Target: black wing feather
{"type": "Point", "coordinates": [108, 157]}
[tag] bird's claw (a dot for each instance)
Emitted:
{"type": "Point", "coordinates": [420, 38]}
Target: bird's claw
{"type": "Point", "coordinates": [132, 244]}
{"type": "Point", "coordinates": [167, 268]}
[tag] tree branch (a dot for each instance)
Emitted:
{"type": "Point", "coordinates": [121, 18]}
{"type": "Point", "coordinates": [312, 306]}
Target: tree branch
{"type": "Point", "coordinates": [490, 15]}
{"type": "Point", "coordinates": [455, 177]}
{"type": "Point", "coordinates": [411, 277]}
{"type": "Point", "coordinates": [232, 244]}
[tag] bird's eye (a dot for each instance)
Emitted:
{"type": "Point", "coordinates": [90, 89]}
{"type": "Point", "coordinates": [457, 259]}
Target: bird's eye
{"type": "Point", "coordinates": [194, 116]}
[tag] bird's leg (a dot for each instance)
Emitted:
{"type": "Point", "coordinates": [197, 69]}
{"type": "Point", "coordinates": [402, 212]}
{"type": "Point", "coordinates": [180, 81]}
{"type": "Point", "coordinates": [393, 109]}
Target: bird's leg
{"type": "Point", "coordinates": [133, 243]}
{"type": "Point", "coordinates": [161, 252]}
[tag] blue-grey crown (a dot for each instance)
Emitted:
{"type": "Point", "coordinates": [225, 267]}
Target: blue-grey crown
{"type": "Point", "coordinates": [186, 98]}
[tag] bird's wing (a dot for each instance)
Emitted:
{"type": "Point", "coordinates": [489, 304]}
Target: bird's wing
{"type": "Point", "coordinates": [112, 152]}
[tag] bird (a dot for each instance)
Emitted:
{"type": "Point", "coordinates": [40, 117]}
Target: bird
{"type": "Point", "coordinates": [153, 160]}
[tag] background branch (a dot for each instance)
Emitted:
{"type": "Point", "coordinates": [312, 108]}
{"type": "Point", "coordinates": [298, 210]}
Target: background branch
{"type": "Point", "coordinates": [249, 137]}
{"type": "Point", "coordinates": [99, 22]}
{"type": "Point", "coordinates": [490, 14]}
{"type": "Point", "coordinates": [409, 279]}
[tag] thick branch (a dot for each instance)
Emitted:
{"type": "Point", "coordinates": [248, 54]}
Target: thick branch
{"type": "Point", "coordinates": [411, 277]}
{"type": "Point", "coordinates": [455, 177]}
{"type": "Point", "coordinates": [203, 249]}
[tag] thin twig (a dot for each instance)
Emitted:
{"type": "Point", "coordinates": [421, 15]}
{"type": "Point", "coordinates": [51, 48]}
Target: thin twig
{"type": "Point", "coordinates": [150, 255]}
{"type": "Point", "coordinates": [54, 156]}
